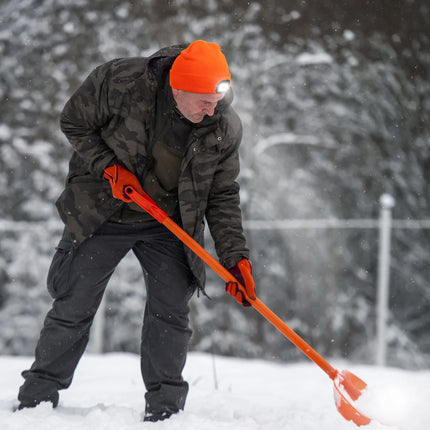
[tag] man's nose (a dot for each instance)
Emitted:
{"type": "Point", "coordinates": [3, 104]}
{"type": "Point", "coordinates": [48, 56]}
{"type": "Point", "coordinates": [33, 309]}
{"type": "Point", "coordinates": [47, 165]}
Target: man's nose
{"type": "Point", "coordinates": [210, 109]}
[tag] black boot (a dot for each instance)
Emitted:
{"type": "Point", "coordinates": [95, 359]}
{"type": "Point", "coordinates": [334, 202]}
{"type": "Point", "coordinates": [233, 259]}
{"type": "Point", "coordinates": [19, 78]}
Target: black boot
{"type": "Point", "coordinates": [35, 391]}
{"type": "Point", "coordinates": [158, 416]}
{"type": "Point", "coordinates": [165, 401]}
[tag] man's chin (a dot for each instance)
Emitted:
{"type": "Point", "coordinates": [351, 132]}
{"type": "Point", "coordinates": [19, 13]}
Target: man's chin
{"type": "Point", "coordinates": [198, 118]}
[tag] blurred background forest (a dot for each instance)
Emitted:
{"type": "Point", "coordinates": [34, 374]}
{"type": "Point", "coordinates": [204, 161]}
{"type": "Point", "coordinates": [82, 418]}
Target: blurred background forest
{"type": "Point", "coordinates": [334, 98]}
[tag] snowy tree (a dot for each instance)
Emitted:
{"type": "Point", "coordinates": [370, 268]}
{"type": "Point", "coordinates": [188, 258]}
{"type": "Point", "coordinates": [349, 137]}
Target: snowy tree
{"type": "Point", "coordinates": [334, 101]}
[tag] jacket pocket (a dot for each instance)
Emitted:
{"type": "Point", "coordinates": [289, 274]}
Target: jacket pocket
{"type": "Point", "coordinates": [168, 201]}
{"type": "Point", "coordinates": [58, 281]}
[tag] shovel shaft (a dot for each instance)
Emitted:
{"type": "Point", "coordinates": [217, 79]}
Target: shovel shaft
{"type": "Point", "coordinates": [291, 335]}
{"type": "Point", "coordinates": [152, 208]}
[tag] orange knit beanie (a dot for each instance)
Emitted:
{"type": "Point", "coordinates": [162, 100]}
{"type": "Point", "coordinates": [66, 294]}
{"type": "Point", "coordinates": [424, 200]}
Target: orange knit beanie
{"type": "Point", "coordinates": [201, 68]}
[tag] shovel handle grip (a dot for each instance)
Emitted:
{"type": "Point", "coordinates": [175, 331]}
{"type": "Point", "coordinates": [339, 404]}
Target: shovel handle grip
{"type": "Point", "coordinates": [147, 203]}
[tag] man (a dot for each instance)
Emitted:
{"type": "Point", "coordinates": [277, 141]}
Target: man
{"type": "Point", "coordinates": [162, 124]}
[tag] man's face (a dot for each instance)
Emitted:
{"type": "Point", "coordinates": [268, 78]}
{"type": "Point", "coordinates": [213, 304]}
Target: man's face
{"type": "Point", "coordinates": [194, 106]}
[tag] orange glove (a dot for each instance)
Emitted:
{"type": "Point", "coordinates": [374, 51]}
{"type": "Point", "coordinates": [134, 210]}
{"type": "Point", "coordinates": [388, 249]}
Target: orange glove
{"type": "Point", "coordinates": [120, 178]}
{"type": "Point", "coordinates": [242, 271]}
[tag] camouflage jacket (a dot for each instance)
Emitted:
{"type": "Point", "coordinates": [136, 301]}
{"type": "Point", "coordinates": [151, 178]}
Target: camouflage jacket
{"type": "Point", "coordinates": [110, 118]}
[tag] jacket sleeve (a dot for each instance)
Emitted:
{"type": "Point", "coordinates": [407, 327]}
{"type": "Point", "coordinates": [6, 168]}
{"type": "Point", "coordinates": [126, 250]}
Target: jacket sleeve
{"type": "Point", "coordinates": [223, 212]}
{"type": "Point", "coordinates": [83, 117]}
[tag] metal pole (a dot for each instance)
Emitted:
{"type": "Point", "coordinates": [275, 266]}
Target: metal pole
{"type": "Point", "coordinates": [387, 203]}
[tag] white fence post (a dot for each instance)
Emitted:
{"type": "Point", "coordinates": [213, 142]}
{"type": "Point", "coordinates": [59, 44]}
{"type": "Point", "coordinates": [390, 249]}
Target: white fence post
{"type": "Point", "coordinates": [387, 203]}
{"type": "Point", "coordinates": [96, 342]}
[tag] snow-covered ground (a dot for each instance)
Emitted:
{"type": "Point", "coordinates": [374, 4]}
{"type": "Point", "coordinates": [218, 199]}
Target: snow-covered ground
{"type": "Point", "coordinates": [225, 393]}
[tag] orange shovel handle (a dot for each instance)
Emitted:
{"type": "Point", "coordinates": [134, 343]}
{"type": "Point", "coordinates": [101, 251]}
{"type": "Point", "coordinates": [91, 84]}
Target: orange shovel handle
{"type": "Point", "coordinates": [146, 202]}
{"type": "Point", "coordinates": [291, 335]}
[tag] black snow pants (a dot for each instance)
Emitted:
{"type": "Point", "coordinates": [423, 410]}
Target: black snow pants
{"type": "Point", "coordinates": [77, 280]}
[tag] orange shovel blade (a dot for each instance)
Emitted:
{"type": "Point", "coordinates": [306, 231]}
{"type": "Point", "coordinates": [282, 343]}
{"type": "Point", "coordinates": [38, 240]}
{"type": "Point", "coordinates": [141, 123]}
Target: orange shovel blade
{"type": "Point", "coordinates": [347, 389]}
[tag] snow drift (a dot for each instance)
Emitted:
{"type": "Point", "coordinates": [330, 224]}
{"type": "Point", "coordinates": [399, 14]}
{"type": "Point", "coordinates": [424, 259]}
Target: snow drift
{"type": "Point", "coordinates": [225, 393]}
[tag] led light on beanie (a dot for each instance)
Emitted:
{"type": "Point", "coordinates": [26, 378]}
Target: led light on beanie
{"type": "Point", "coordinates": [222, 87]}
{"type": "Point", "coordinates": [201, 68]}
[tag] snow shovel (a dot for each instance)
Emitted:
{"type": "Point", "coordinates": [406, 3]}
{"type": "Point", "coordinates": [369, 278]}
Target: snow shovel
{"type": "Point", "coordinates": [347, 386]}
